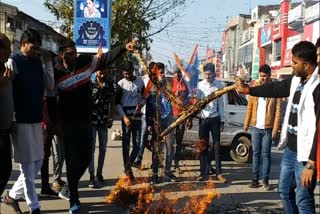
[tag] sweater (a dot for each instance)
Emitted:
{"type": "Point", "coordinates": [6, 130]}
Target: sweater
{"type": "Point", "coordinates": [74, 89]}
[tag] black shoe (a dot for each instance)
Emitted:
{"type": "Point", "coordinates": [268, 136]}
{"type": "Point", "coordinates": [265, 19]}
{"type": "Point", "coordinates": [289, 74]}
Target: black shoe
{"type": "Point", "coordinates": [200, 178]}
{"type": "Point", "coordinates": [129, 174]}
{"type": "Point", "coordinates": [171, 177]}
{"type": "Point", "coordinates": [48, 191]}
{"type": "Point", "coordinates": [212, 171]}
{"type": "Point", "coordinates": [92, 182]}
{"type": "Point", "coordinates": [14, 204]}
{"type": "Point", "coordinates": [36, 211]}
{"type": "Point", "coordinates": [154, 179]}
{"type": "Point", "coordinates": [100, 178]}
{"type": "Point", "coordinates": [266, 186]}
{"type": "Point", "coordinates": [254, 183]}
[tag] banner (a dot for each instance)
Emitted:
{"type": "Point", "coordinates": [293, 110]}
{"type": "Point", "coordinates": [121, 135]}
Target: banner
{"type": "Point", "coordinates": [92, 25]}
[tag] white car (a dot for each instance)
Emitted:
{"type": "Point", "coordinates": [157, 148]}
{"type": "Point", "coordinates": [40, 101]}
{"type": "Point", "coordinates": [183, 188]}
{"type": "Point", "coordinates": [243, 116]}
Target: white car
{"type": "Point", "coordinates": [234, 141]}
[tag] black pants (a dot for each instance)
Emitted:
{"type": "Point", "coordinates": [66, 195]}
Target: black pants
{"type": "Point", "coordinates": [77, 140]}
{"type": "Point", "coordinates": [5, 163]}
{"type": "Point", "coordinates": [207, 126]}
{"type": "Point", "coordinates": [179, 132]}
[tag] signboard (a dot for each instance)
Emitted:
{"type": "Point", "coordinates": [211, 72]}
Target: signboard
{"type": "Point", "coordinates": [276, 27]}
{"type": "Point", "coordinates": [311, 32]}
{"type": "Point", "coordinates": [291, 41]}
{"type": "Point", "coordinates": [92, 25]}
{"type": "Point", "coordinates": [312, 13]}
{"type": "Point", "coordinates": [266, 31]}
{"type": "Point", "coordinates": [295, 14]}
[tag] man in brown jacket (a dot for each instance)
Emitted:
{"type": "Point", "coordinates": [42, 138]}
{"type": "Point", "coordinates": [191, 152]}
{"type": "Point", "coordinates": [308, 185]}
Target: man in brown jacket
{"type": "Point", "coordinates": [264, 115]}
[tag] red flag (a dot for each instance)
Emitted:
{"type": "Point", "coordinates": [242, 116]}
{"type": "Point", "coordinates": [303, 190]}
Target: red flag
{"type": "Point", "coordinates": [183, 70]}
{"type": "Point", "coordinates": [147, 89]}
{"type": "Point", "coordinates": [193, 55]}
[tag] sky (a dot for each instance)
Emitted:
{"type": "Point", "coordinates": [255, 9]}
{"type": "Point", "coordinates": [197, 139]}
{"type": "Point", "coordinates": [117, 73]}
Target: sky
{"type": "Point", "coordinates": [201, 23]}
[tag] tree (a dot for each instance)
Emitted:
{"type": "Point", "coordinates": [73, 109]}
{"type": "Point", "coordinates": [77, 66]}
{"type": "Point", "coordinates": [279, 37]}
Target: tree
{"type": "Point", "coordinates": [128, 16]}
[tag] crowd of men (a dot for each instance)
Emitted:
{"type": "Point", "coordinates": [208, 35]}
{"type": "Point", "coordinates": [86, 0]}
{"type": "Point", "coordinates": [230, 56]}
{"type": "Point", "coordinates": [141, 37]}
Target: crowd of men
{"type": "Point", "coordinates": [64, 102]}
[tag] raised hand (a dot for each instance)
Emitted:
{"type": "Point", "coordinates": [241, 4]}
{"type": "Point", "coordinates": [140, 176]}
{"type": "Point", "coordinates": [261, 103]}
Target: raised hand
{"type": "Point", "coordinates": [241, 87]}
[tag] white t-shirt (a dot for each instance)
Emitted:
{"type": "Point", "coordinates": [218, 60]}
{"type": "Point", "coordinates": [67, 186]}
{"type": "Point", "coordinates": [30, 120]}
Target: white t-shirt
{"type": "Point", "coordinates": [261, 112]}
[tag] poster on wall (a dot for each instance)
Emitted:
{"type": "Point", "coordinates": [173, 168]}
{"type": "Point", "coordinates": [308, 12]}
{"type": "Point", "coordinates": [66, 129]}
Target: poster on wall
{"type": "Point", "coordinates": [92, 25]}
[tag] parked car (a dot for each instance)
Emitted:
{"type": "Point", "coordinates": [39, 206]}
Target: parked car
{"type": "Point", "coordinates": [234, 141]}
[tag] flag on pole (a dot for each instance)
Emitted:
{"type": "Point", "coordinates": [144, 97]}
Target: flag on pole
{"type": "Point", "coordinates": [190, 71]}
{"type": "Point", "coordinates": [185, 74]}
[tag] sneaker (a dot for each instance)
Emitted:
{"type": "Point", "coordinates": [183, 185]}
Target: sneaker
{"type": "Point", "coordinates": [64, 193]}
{"type": "Point", "coordinates": [137, 165]}
{"type": "Point", "coordinates": [100, 178]}
{"type": "Point", "coordinates": [92, 182]}
{"type": "Point", "coordinates": [154, 179]}
{"type": "Point", "coordinates": [14, 204]}
{"type": "Point", "coordinates": [200, 178]}
{"type": "Point", "coordinates": [36, 211]}
{"type": "Point", "coordinates": [254, 183]}
{"type": "Point", "coordinates": [171, 177]}
{"type": "Point", "coordinates": [74, 208]}
{"type": "Point", "coordinates": [266, 185]}
{"type": "Point", "coordinates": [221, 179]}
{"type": "Point", "coordinates": [129, 174]}
{"type": "Point", "coordinates": [47, 191]}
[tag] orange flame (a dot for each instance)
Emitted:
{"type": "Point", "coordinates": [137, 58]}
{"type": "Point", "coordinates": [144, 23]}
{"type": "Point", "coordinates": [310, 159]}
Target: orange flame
{"type": "Point", "coordinates": [142, 198]}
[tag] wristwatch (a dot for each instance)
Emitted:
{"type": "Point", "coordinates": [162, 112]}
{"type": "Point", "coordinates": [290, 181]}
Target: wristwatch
{"type": "Point", "coordinates": [310, 166]}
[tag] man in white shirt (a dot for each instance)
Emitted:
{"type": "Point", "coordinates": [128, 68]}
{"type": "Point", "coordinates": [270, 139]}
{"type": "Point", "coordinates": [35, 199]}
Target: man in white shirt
{"type": "Point", "coordinates": [211, 120]}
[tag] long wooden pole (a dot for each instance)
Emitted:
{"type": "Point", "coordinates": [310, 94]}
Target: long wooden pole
{"type": "Point", "coordinates": [196, 108]}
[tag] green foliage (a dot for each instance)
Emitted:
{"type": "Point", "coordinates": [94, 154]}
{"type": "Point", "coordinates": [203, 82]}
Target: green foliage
{"type": "Point", "coordinates": [128, 17]}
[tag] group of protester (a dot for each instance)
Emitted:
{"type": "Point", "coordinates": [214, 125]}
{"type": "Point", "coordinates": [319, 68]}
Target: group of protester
{"type": "Point", "coordinates": [26, 78]}
{"type": "Point", "coordinates": [63, 102]}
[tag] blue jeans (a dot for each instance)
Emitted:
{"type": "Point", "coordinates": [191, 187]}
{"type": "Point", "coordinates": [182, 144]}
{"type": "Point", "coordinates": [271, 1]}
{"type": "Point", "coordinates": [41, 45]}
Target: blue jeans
{"type": "Point", "coordinates": [103, 140]}
{"type": "Point", "coordinates": [261, 145]}
{"type": "Point", "coordinates": [135, 131]}
{"type": "Point", "coordinates": [144, 136]}
{"type": "Point", "coordinates": [207, 126]}
{"type": "Point", "coordinates": [295, 198]}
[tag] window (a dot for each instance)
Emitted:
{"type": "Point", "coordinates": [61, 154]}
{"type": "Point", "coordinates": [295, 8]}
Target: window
{"type": "Point", "coordinates": [236, 99]}
{"type": "Point", "coordinates": [19, 24]}
{"type": "Point", "coordinates": [277, 50]}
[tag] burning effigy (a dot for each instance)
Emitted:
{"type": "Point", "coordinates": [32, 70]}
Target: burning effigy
{"type": "Point", "coordinates": [143, 199]}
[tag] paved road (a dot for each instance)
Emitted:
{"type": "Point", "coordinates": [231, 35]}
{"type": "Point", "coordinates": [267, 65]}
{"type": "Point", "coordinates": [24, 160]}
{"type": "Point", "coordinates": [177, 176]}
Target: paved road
{"type": "Point", "coordinates": [236, 197]}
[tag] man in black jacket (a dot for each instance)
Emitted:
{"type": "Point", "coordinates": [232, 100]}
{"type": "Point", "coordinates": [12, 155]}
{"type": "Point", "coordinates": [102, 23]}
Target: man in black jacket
{"type": "Point", "coordinates": [297, 137]}
{"type": "Point", "coordinates": [73, 82]}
